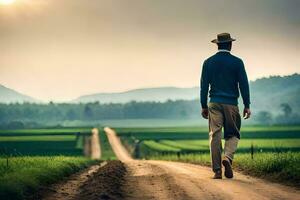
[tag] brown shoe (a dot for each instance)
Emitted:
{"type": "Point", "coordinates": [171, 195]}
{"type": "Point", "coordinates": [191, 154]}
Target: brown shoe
{"type": "Point", "coordinates": [228, 169]}
{"type": "Point", "coordinates": [218, 175]}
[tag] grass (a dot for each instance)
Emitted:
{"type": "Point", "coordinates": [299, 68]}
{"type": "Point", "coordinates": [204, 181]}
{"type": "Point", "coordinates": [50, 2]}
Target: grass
{"type": "Point", "coordinates": [196, 129]}
{"type": "Point", "coordinates": [181, 133]}
{"type": "Point", "coordinates": [106, 150]}
{"type": "Point", "coordinates": [37, 138]}
{"type": "Point", "coordinates": [49, 142]}
{"type": "Point", "coordinates": [24, 175]}
{"type": "Point", "coordinates": [281, 167]}
{"type": "Point", "coordinates": [273, 145]}
{"type": "Point", "coordinates": [160, 147]}
{"type": "Point", "coordinates": [41, 142]}
{"type": "Point", "coordinates": [39, 145]}
{"type": "Point", "coordinates": [45, 131]}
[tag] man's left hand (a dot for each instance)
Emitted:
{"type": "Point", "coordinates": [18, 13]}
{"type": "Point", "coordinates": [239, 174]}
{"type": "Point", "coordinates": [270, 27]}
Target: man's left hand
{"type": "Point", "coordinates": [246, 113]}
{"type": "Point", "coordinates": [204, 113]}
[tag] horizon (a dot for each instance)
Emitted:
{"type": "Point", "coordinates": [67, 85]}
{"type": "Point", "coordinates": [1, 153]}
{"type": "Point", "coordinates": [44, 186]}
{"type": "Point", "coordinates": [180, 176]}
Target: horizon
{"type": "Point", "coordinates": [125, 91]}
{"type": "Point", "coordinates": [47, 52]}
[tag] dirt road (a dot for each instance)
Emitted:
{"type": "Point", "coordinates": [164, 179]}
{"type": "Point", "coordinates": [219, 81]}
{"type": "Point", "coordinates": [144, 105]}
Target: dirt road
{"type": "Point", "coordinates": [71, 188]}
{"type": "Point", "coordinates": [162, 180]}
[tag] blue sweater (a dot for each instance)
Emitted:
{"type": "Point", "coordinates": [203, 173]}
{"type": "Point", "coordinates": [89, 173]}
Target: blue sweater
{"type": "Point", "coordinates": [225, 74]}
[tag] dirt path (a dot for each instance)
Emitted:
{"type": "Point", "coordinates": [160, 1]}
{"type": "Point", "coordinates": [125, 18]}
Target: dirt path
{"type": "Point", "coordinates": [71, 188]}
{"type": "Point", "coordinates": [173, 180]}
{"type": "Point", "coordinates": [95, 144]}
{"type": "Point", "coordinates": [99, 182]}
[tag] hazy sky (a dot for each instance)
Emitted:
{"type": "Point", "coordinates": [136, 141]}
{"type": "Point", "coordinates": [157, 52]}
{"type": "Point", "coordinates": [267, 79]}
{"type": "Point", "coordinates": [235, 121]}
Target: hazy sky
{"type": "Point", "coordinates": [60, 49]}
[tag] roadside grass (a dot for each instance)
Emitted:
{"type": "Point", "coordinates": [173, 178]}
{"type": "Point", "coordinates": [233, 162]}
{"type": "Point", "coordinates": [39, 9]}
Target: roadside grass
{"type": "Point", "coordinates": [22, 176]}
{"type": "Point", "coordinates": [275, 166]}
{"type": "Point", "coordinates": [281, 167]}
{"type": "Point", "coordinates": [106, 150]}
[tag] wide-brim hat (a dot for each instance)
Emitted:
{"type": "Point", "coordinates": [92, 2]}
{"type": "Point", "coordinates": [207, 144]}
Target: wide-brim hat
{"type": "Point", "coordinates": [223, 38]}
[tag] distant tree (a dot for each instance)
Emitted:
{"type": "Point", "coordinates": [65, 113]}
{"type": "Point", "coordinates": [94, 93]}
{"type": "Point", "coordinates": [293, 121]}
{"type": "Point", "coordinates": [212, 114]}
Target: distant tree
{"type": "Point", "coordinates": [15, 125]}
{"type": "Point", "coordinates": [71, 115]}
{"type": "Point", "coordinates": [28, 111]}
{"type": "Point", "coordinates": [54, 113]}
{"type": "Point", "coordinates": [183, 113]}
{"type": "Point", "coordinates": [2, 114]}
{"type": "Point", "coordinates": [264, 117]}
{"type": "Point", "coordinates": [88, 112]}
{"type": "Point", "coordinates": [286, 109]}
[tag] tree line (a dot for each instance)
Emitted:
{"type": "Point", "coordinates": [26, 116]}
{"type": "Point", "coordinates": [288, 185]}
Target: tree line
{"type": "Point", "coordinates": [17, 115]}
{"type": "Point", "coordinates": [57, 112]}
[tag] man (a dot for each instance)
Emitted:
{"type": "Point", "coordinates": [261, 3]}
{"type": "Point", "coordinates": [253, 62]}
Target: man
{"type": "Point", "coordinates": [224, 75]}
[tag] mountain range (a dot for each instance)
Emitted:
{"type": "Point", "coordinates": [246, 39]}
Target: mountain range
{"type": "Point", "coordinates": [8, 95]}
{"type": "Point", "coordinates": [160, 94]}
{"type": "Point", "coordinates": [269, 93]}
{"type": "Point", "coordinates": [266, 94]}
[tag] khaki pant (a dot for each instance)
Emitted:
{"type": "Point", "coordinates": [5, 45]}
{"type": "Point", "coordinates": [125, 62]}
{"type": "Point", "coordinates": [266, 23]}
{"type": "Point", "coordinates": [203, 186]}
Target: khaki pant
{"type": "Point", "coordinates": [227, 117]}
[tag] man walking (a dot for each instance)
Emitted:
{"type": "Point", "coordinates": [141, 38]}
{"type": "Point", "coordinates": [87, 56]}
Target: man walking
{"type": "Point", "coordinates": [224, 75]}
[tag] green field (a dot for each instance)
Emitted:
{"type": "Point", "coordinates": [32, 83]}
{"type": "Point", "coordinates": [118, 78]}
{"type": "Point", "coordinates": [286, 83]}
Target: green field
{"type": "Point", "coordinates": [271, 152]}
{"type": "Point", "coordinates": [202, 146]}
{"type": "Point", "coordinates": [31, 158]}
{"type": "Point", "coordinates": [22, 176]}
{"type": "Point", "coordinates": [45, 131]}
{"type": "Point", "coordinates": [49, 142]}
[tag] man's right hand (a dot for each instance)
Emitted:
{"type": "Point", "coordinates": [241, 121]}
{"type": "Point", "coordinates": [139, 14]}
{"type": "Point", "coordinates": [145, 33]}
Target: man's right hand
{"type": "Point", "coordinates": [204, 113]}
{"type": "Point", "coordinates": [247, 113]}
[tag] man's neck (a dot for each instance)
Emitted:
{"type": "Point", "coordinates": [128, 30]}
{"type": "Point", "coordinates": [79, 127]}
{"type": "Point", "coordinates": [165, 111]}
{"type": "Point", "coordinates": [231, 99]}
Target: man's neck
{"type": "Point", "coordinates": [223, 50]}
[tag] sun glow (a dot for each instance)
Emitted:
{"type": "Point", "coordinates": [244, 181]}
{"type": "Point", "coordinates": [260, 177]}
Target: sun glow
{"type": "Point", "coordinates": [6, 2]}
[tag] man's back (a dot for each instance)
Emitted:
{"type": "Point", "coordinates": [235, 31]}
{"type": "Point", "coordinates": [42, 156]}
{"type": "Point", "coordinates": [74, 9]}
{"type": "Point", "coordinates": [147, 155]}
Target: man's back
{"type": "Point", "coordinates": [225, 74]}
